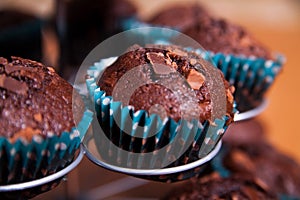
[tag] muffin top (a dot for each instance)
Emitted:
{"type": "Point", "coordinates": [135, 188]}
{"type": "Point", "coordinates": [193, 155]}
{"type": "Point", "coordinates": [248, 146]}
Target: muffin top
{"type": "Point", "coordinates": [218, 35]}
{"type": "Point", "coordinates": [33, 100]}
{"type": "Point", "coordinates": [187, 14]}
{"type": "Point", "coordinates": [157, 75]}
{"type": "Point", "coordinates": [259, 159]}
{"type": "Point", "coordinates": [214, 188]}
{"type": "Point", "coordinates": [214, 34]}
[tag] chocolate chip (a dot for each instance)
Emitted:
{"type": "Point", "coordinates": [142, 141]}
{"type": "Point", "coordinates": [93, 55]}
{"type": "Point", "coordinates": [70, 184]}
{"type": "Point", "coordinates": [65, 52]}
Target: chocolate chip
{"type": "Point", "coordinates": [26, 133]}
{"type": "Point", "coordinates": [13, 85]}
{"type": "Point", "coordinates": [155, 57]}
{"type": "Point", "coordinates": [195, 79]}
{"type": "Point", "coordinates": [51, 69]}
{"type": "Point", "coordinates": [3, 61]}
{"type": "Point", "coordinates": [159, 63]}
{"type": "Point", "coordinates": [9, 68]}
{"type": "Point", "coordinates": [38, 117]}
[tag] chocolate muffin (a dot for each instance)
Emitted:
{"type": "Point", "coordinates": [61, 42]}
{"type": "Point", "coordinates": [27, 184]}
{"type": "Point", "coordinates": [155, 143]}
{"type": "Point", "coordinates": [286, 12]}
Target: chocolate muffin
{"type": "Point", "coordinates": [245, 62]}
{"type": "Point", "coordinates": [38, 134]}
{"type": "Point", "coordinates": [221, 188]}
{"type": "Point", "coordinates": [150, 61]}
{"type": "Point", "coordinates": [187, 15]}
{"type": "Point", "coordinates": [216, 35]}
{"type": "Point", "coordinates": [34, 100]}
{"type": "Point", "coordinates": [246, 152]}
{"type": "Point", "coordinates": [172, 97]}
{"type": "Point", "coordinates": [278, 171]}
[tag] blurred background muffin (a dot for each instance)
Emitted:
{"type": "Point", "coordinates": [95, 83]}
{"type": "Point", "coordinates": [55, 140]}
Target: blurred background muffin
{"type": "Point", "coordinates": [246, 62]}
{"type": "Point", "coordinates": [247, 167]}
{"type": "Point", "coordinates": [213, 33]}
{"type": "Point", "coordinates": [278, 33]}
{"type": "Point", "coordinates": [247, 152]}
{"type": "Point", "coordinates": [214, 187]}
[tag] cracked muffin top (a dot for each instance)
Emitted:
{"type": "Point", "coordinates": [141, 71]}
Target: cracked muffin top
{"type": "Point", "coordinates": [214, 34]}
{"type": "Point", "coordinates": [33, 100]}
{"type": "Point", "coordinates": [168, 81]}
{"type": "Point", "coordinates": [187, 14]}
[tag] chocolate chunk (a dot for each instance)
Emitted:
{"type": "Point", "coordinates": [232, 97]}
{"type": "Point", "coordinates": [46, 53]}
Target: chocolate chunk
{"type": "Point", "coordinates": [13, 85]}
{"type": "Point", "coordinates": [195, 79]}
{"type": "Point", "coordinates": [9, 68]}
{"type": "Point", "coordinates": [155, 57]}
{"type": "Point", "coordinates": [3, 61]}
{"type": "Point", "coordinates": [26, 133]}
{"type": "Point", "coordinates": [38, 117]}
{"type": "Point", "coordinates": [157, 60]}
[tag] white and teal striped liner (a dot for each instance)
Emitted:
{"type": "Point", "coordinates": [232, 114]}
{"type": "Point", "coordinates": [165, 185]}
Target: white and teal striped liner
{"type": "Point", "coordinates": [27, 160]}
{"type": "Point", "coordinates": [245, 72]}
{"type": "Point", "coordinates": [111, 113]}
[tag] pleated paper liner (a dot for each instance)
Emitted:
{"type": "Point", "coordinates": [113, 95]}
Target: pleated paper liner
{"type": "Point", "coordinates": [167, 174]}
{"type": "Point", "coordinates": [251, 76]}
{"type": "Point", "coordinates": [121, 125]}
{"type": "Point", "coordinates": [30, 189]}
{"type": "Point", "coordinates": [24, 161]}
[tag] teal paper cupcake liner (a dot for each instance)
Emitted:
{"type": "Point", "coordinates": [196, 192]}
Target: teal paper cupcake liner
{"type": "Point", "coordinates": [251, 76]}
{"type": "Point", "coordinates": [121, 125]}
{"type": "Point", "coordinates": [23, 161]}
